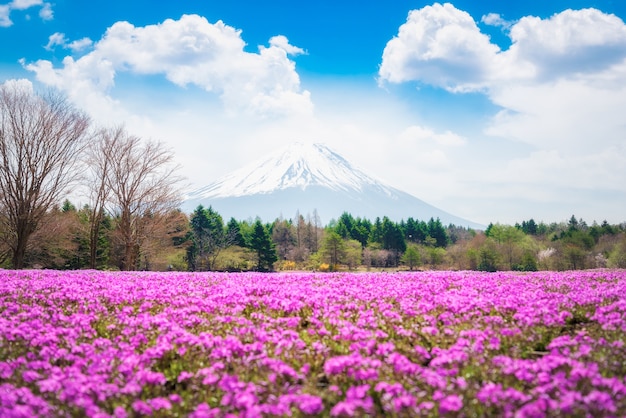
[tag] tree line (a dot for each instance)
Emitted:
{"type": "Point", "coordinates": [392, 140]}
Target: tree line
{"type": "Point", "coordinates": [49, 150]}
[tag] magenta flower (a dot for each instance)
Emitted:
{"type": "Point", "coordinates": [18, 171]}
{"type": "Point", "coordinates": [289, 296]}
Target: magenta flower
{"type": "Point", "coordinates": [451, 403]}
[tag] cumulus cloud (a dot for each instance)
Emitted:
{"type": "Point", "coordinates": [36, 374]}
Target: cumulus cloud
{"type": "Point", "coordinates": [45, 13]}
{"type": "Point", "coordinates": [561, 82]}
{"type": "Point", "coordinates": [55, 39]}
{"type": "Point", "coordinates": [25, 4]}
{"type": "Point", "coordinates": [189, 51]}
{"type": "Point", "coordinates": [442, 46]}
{"type": "Point", "coordinates": [494, 19]}
{"type": "Point", "coordinates": [80, 44]}
{"type": "Point", "coordinates": [281, 41]}
{"type": "Point", "coordinates": [572, 42]}
{"type": "Point", "coordinates": [59, 39]}
{"type": "Point", "coordinates": [560, 87]}
{"type": "Point", "coordinates": [5, 20]}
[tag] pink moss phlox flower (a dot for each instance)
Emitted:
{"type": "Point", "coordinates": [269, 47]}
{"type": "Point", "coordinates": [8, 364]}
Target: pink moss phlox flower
{"type": "Point", "coordinates": [141, 407]}
{"type": "Point", "coordinates": [205, 411]}
{"type": "Point", "coordinates": [310, 404]}
{"type": "Point", "coordinates": [149, 377]}
{"type": "Point", "coordinates": [352, 407]}
{"type": "Point", "coordinates": [430, 330]}
{"type": "Point", "coordinates": [120, 412]}
{"type": "Point", "coordinates": [184, 375]}
{"type": "Point", "coordinates": [451, 403]}
{"type": "Point", "coordinates": [160, 403]}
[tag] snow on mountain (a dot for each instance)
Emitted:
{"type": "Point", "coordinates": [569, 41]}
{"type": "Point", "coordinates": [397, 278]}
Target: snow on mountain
{"type": "Point", "coordinates": [308, 178]}
{"type": "Point", "coordinates": [298, 165]}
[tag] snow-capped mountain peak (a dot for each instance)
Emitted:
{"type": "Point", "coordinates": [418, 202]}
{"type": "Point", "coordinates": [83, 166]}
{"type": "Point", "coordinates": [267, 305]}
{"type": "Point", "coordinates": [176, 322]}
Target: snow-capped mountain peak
{"type": "Point", "coordinates": [304, 177]}
{"type": "Point", "coordinates": [299, 165]}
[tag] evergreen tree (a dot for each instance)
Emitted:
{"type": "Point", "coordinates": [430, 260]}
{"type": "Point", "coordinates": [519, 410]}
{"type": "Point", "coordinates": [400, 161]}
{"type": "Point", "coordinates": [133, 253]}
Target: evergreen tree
{"type": "Point", "coordinates": [333, 248]}
{"type": "Point", "coordinates": [261, 243]}
{"type": "Point", "coordinates": [412, 231]}
{"type": "Point", "coordinates": [392, 239]}
{"type": "Point", "coordinates": [530, 227]}
{"type": "Point", "coordinates": [438, 232]}
{"type": "Point", "coordinates": [233, 231]}
{"type": "Point", "coordinates": [207, 238]}
{"type": "Point", "coordinates": [345, 225]}
{"type": "Point", "coordinates": [376, 231]}
{"type": "Point", "coordinates": [361, 231]}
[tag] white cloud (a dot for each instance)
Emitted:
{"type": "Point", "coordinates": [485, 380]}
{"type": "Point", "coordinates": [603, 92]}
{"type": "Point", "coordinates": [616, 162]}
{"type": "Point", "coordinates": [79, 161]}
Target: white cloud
{"type": "Point", "coordinates": [190, 51]}
{"type": "Point", "coordinates": [561, 88]}
{"type": "Point", "coordinates": [24, 4]}
{"type": "Point", "coordinates": [45, 12]}
{"type": "Point", "coordinates": [59, 39]}
{"type": "Point", "coordinates": [590, 171]}
{"type": "Point", "coordinates": [442, 46]}
{"type": "Point", "coordinates": [55, 39]}
{"type": "Point", "coordinates": [571, 42]}
{"type": "Point", "coordinates": [494, 19]}
{"type": "Point", "coordinates": [560, 84]}
{"type": "Point", "coordinates": [281, 41]}
{"type": "Point", "coordinates": [574, 116]}
{"type": "Point", "coordinates": [5, 19]}
{"type": "Point", "coordinates": [80, 44]}
{"type": "Point", "coordinates": [420, 134]}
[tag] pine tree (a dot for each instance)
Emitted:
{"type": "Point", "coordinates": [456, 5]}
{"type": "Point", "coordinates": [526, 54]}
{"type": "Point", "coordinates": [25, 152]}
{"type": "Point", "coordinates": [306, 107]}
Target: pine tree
{"type": "Point", "coordinates": [262, 244]}
{"type": "Point", "coordinates": [207, 238]}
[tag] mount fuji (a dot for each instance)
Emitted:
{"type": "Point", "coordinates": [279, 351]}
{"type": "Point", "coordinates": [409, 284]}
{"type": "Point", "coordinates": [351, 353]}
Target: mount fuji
{"type": "Point", "coordinates": [306, 177]}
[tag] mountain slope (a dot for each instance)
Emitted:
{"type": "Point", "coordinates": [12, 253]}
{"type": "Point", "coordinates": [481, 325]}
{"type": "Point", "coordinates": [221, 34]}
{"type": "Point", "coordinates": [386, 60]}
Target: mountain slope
{"type": "Point", "coordinates": [308, 177]}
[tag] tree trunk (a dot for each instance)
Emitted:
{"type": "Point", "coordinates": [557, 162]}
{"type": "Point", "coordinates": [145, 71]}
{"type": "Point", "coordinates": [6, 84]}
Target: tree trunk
{"type": "Point", "coordinates": [94, 234]}
{"type": "Point", "coordinates": [23, 232]}
{"type": "Point", "coordinates": [19, 253]}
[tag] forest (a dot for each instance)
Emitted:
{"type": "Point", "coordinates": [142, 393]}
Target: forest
{"type": "Point", "coordinates": [203, 241]}
{"type": "Point", "coordinates": [131, 220]}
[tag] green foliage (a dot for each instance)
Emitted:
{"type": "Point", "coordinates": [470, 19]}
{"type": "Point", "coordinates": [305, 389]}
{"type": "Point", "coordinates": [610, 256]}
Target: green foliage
{"type": "Point", "coordinates": [236, 258]}
{"type": "Point", "coordinates": [392, 237]}
{"type": "Point", "coordinates": [68, 206]}
{"type": "Point", "coordinates": [333, 248]}
{"type": "Point", "coordinates": [617, 257]}
{"type": "Point", "coordinates": [528, 262]}
{"type": "Point", "coordinates": [233, 230]}
{"type": "Point", "coordinates": [487, 258]}
{"type": "Point", "coordinates": [436, 256]}
{"type": "Point", "coordinates": [207, 237]}
{"type": "Point", "coordinates": [353, 254]}
{"type": "Point", "coordinates": [203, 242]}
{"type": "Point", "coordinates": [529, 227]}
{"type": "Point", "coordinates": [261, 243]}
{"type": "Point", "coordinates": [415, 231]}
{"type": "Point", "coordinates": [411, 257]}
{"type": "Point", "coordinates": [438, 232]}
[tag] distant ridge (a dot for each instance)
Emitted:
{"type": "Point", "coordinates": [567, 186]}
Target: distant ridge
{"type": "Point", "coordinates": [305, 177]}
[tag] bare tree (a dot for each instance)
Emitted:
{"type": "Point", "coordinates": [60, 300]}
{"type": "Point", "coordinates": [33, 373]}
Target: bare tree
{"type": "Point", "coordinates": [284, 236]}
{"type": "Point", "coordinates": [142, 187]}
{"type": "Point", "coordinates": [41, 137]}
{"type": "Point", "coordinates": [98, 158]}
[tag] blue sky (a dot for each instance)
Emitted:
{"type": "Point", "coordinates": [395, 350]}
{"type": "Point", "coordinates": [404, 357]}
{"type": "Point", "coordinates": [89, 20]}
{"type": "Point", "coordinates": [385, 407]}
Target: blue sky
{"type": "Point", "coordinates": [494, 111]}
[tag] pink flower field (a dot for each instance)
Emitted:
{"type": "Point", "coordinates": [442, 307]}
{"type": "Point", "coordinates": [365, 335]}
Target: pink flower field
{"type": "Point", "coordinates": [89, 343]}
